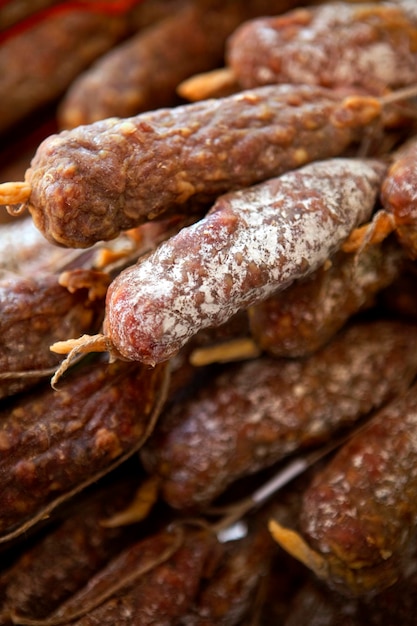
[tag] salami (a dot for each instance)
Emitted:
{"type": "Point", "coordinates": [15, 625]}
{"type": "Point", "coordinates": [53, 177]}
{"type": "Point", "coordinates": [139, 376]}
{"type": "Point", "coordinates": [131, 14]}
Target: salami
{"type": "Point", "coordinates": [255, 413]}
{"type": "Point", "coordinates": [398, 199]}
{"type": "Point", "coordinates": [69, 554]}
{"type": "Point", "coordinates": [55, 443]}
{"type": "Point", "coordinates": [89, 183]}
{"type": "Point", "coordinates": [359, 514]}
{"type": "Point", "coordinates": [252, 243]}
{"type": "Point", "coordinates": [316, 605]}
{"type": "Point", "coordinates": [305, 316]}
{"type": "Point", "coordinates": [172, 568]}
{"type": "Point", "coordinates": [228, 593]}
{"type": "Point", "coordinates": [37, 64]}
{"type": "Point", "coordinates": [35, 313]}
{"type": "Point", "coordinates": [25, 251]}
{"type": "Point", "coordinates": [143, 72]}
{"type": "Point", "coordinates": [336, 44]}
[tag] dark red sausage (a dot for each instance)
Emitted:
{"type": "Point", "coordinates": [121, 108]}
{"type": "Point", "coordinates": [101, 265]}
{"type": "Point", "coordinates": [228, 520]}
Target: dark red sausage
{"type": "Point", "coordinates": [143, 72]}
{"type": "Point", "coordinates": [54, 443]}
{"type": "Point", "coordinates": [90, 183]}
{"type": "Point", "coordinates": [35, 312]}
{"type": "Point", "coordinates": [252, 243]}
{"type": "Point", "coordinates": [359, 514]}
{"type": "Point", "coordinates": [365, 46]}
{"type": "Point", "coordinates": [254, 413]}
{"type": "Point", "coordinates": [399, 195]}
{"type": "Point", "coordinates": [306, 315]}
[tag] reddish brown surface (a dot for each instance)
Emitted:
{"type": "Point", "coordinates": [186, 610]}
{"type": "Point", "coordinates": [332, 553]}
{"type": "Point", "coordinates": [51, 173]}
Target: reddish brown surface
{"type": "Point", "coordinates": [38, 63]}
{"type": "Point", "coordinates": [93, 181]}
{"type": "Point", "coordinates": [360, 510]}
{"type": "Point", "coordinates": [302, 318]}
{"type": "Point", "coordinates": [54, 441]}
{"type": "Point", "coordinates": [64, 560]}
{"type": "Point", "coordinates": [252, 243]}
{"type": "Point", "coordinates": [159, 597]}
{"type": "Point", "coordinates": [36, 312]}
{"type": "Point", "coordinates": [399, 195]}
{"type": "Point", "coordinates": [253, 414]}
{"type": "Point", "coordinates": [334, 45]}
{"type": "Point", "coordinates": [144, 72]}
{"type": "Point", "coordinates": [228, 593]}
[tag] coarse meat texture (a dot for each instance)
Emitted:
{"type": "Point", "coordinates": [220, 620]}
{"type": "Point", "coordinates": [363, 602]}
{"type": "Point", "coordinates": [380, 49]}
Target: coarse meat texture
{"type": "Point", "coordinates": [304, 317]}
{"type": "Point", "coordinates": [143, 72]}
{"type": "Point", "coordinates": [89, 183]}
{"type": "Point", "coordinates": [75, 547]}
{"type": "Point", "coordinates": [358, 516]}
{"type": "Point", "coordinates": [37, 64]}
{"type": "Point", "coordinates": [35, 312]}
{"type": "Point", "coordinates": [337, 44]}
{"type": "Point", "coordinates": [54, 443]}
{"type": "Point", "coordinates": [252, 243]}
{"type": "Point", "coordinates": [243, 240]}
{"type": "Point", "coordinates": [399, 195]}
{"type": "Point", "coordinates": [160, 596]}
{"type": "Point", "coordinates": [253, 414]}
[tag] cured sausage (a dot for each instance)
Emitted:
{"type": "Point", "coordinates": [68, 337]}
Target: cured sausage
{"type": "Point", "coordinates": [143, 72]}
{"type": "Point", "coordinates": [55, 443]}
{"type": "Point", "coordinates": [306, 315]}
{"type": "Point", "coordinates": [25, 251]}
{"type": "Point", "coordinates": [89, 183]}
{"type": "Point", "coordinates": [172, 563]}
{"type": "Point", "coordinates": [359, 514]}
{"type": "Point", "coordinates": [398, 199]}
{"type": "Point", "coordinates": [252, 243]}
{"type": "Point", "coordinates": [35, 313]}
{"type": "Point", "coordinates": [228, 593]}
{"type": "Point", "coordinates": [399, 193]}
{"type": "Point", "coordinates": [38, 63]}
{"type": "Point", "coordinates": [63, 559]}
{"type": "Point", "coordinates": [256, 412]}
{"type": "Point", "coordinates": [365, 46]}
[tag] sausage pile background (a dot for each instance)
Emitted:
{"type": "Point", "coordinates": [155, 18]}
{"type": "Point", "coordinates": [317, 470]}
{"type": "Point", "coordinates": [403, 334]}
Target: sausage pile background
{"type": "Point", "coordinates": [208, 313]}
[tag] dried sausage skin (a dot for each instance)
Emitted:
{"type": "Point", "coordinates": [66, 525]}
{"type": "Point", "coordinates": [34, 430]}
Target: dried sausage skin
{"type": "Point", "coordinates": [252, 243]}
{"type": "Point", "coordinates": [35, 312]}
{"type": "Point", "coordinates": [54, 443]}
{"type": "Point", "coordinates": [160, 596]}
{"type": "Point", "coordinates": [143, 72]}
{"type": "Point", "coordinates": [302, 318]}
{"type": "Point", "coordinates": [359, 514]}
{"type": "Point", "coordinates": [336, 45]}
{"type": "Point", "coordinates": [38, 63]}
{"type": "Point", "coordinates": [73, 550]}
{"type": "Point", "coordinates": [89, 183]}
{"type": "Point", "coordinates": [255, 413]}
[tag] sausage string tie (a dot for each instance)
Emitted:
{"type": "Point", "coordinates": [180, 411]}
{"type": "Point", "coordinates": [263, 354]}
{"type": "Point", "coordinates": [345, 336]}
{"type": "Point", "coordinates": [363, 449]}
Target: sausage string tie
{"type": "Point", "coordinates": [14, 194]}
{"type": "Point", "coordinates": [83, 345]}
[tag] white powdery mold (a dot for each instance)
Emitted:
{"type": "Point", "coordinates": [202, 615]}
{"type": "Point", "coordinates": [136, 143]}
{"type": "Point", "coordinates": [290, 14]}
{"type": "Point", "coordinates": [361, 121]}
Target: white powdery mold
{"type": "Point", "coordinates": [250, 244]}
{"type": "Point", "coordinates": [342, 47]}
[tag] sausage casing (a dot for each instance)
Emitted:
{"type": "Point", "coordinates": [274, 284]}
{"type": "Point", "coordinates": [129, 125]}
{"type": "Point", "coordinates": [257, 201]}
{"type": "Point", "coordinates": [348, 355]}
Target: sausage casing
{"type": "Point", "coordinates": [252, 243]}
{"type": "Point", "coordinates": [89, 183]}
{"type": "Point", "coordinates": [254, 413]}
{"type": "Point", "coordinates": [359, 514]}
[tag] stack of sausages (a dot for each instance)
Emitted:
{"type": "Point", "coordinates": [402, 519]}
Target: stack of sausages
{"type": "Point", "coordinates": [200, 285]}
